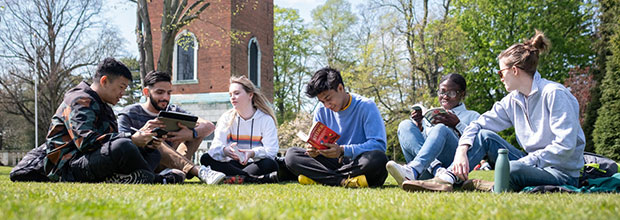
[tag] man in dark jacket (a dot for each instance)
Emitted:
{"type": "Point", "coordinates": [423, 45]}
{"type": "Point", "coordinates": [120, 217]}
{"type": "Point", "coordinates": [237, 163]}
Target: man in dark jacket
{"type": "Point", "coordinates": [83, 143]}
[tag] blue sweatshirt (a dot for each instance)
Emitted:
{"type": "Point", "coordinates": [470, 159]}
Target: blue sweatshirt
{"type": "Point", "coordinates": [360, 126]}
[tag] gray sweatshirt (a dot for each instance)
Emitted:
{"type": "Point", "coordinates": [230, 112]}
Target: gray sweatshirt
{"type": "Point", "coordinates": [546, 123]}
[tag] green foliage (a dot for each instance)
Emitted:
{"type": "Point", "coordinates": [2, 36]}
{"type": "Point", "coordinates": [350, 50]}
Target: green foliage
{"type": "Point", "coordinates": [331, 29]}
{"type": "Point", "coordinates": [291, 49]}
{"type": "Point", "coordinates": [285, 201]}
{"type": "Point", "coordinates": [133, 93]}
{"type": "Point", "coordinates": [608, 17]}
{"type": "Point", "coordinates": [491, 26]}
{"type": "Point", "coordinates": [607, 127]}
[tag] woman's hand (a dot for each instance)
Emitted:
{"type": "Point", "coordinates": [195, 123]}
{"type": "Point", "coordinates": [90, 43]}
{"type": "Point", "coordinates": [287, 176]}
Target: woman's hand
{"type": "Point", "coordinates": [249, 153]}
{"type": "Point", "coordinates": [460, 165]}
{"type": "Point", "coordinates": [449, 119]}
{"type": "Point", "coordinates": [417, 117]}
{"type": "Point", "coordinates": [230, 151]}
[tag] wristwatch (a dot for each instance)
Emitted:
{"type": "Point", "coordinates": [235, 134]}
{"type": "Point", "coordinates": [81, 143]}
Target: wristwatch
{"type": "Point", "coordinates": [195, 134]}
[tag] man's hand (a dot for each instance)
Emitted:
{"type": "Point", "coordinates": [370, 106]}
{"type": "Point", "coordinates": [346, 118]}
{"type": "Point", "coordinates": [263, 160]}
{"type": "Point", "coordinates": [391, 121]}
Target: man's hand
{"type": "Point", "coordinates": [249, 153]}
{"type": "Point", "coordinates": [311, 151]}
{"type": "Point", "coordinates": [333, 150]}
{"type": "Point", "coordinates": [152, 124]}
{"type": "Point", "coordinates": [142, 138]}
{"type": "Point", "coordinates": [185, 134]}
{"type": "Point", "coordinates": [460, 165]}
{"type": "Point", "coordinates": [449, 119]}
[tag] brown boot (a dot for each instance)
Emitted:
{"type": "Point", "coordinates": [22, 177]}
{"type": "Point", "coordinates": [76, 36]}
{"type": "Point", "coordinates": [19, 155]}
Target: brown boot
{"type": "Point", "coordinates": [433, 185]}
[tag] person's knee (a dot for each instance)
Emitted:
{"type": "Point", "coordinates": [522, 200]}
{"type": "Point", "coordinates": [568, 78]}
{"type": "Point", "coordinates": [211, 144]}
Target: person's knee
{"type": "Point", "coordinates": [441, 129]}
{"type": "Point", "coordinates": [124, 147]}
{"type": "Point", "coordinates": [290, 158]}
{"type": "Point", "coordinates": [206, 159]}
{"type": "Point", "coordinates": [269, 164]}
{"type": "Point", "coordinates": [373, 159]}
{"type": "Point", "coordinates": [405, 125]}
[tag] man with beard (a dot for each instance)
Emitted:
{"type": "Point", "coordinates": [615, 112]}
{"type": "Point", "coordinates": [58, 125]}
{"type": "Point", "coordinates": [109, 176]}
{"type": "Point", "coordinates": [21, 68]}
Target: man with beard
{"type": "Point", "coordinates": [179, 146]}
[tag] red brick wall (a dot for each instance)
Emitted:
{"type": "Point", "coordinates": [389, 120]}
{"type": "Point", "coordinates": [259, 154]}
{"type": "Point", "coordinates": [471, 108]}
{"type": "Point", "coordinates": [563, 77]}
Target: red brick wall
{"type": "Point", "coordinates": [217, 58]}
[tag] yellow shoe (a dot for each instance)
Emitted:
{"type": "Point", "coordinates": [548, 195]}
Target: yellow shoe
{"type": "Point", "coordinates": [304, 180]}
{"type": "Point", "coordinates": [356, 182]}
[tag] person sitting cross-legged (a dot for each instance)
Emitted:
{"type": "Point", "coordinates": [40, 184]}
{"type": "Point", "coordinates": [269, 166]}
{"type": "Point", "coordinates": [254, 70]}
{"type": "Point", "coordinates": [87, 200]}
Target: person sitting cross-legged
{"type": "Point", "coordinates": [83, 142]}
{"type": "Point", "coordinates": [358, 158]}
{"type": "Point", "coordinates": [246, 137]}
{"type": "Point", "coordinates": [179, 146]}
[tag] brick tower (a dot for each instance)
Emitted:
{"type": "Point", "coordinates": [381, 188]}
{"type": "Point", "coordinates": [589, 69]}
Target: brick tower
{"type": "Point", "coordinates": [206, 54]}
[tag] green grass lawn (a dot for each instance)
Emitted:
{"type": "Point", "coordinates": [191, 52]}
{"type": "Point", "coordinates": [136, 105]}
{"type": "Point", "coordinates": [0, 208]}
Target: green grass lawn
{"type": "Point", "coordinates": [286, 201]}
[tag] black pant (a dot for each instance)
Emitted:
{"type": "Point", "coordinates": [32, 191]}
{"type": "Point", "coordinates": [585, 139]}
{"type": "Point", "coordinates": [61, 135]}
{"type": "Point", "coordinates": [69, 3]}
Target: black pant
{"type": "Point", "coordinates": [118, 155]}
{"type": "Point", "coordinates": [329, 171]}
{"type": "Point", "coordinates": [233, 167]}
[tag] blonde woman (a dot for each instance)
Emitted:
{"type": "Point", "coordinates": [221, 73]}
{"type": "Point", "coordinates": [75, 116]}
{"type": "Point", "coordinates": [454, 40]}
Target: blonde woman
{"type": "Point", "coordinates": [246, 140]}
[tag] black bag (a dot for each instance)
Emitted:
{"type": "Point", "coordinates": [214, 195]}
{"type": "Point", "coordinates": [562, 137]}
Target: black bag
{"type": "Point", "coordinates": [596, 166]}
{"type": "Point", "coordinates": [30, 168]}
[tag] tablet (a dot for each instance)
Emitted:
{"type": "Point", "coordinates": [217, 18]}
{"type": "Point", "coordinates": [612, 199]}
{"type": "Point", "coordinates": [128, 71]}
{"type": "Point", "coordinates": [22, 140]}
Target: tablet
{"type": "Point", "coordinates": [170, 119]}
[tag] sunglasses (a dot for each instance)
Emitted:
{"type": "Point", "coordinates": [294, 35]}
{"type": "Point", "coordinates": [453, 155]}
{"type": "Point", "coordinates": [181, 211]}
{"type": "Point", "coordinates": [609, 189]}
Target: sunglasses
{"type": "Point", "coordinates": [501, 72]}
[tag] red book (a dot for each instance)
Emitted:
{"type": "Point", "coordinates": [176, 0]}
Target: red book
{"type": "Point", "coordinates": [319, 134]}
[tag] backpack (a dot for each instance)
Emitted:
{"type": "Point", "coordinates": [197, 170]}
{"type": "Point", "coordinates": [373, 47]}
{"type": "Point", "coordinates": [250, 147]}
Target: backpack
{"type": "Point", "coordinates": [596, 166]}
{"type": "Point", "coordinates": [30, 168]}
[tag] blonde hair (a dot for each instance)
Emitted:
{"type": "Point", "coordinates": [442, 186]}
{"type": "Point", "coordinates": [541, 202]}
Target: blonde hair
{"type": "Point", "coordinates": [259, 100]}
{"type": "Point", "coordinates": [525, 55]}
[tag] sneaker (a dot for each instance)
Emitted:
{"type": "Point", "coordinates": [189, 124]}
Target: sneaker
{"type": "Point", "coordinates": [478, 185]}
{"type": "Point", "coordinates": [209, 176]}
{"type": "Point", "coordinates": [435, 185]}
{"type": "Point", "coordinates": [304, 180]}
{"type": "Point", "coordinates": [399, 172]}
{"type": "Point", "coordinates": [268, 178]}
{"type": "Point", "coordinates": [170, 176]}
{"type": "Point", "coordinates": [356, 182]}
{"type": "Point", "coordinates": [238, 179]}
{"type": "Point", "coordinates": [136, 177]}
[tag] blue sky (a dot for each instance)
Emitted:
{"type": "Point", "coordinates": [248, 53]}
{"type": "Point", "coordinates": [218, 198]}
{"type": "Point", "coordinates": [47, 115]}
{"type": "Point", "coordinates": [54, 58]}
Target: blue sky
{"type": "Point", "coordinates": [122, 15]}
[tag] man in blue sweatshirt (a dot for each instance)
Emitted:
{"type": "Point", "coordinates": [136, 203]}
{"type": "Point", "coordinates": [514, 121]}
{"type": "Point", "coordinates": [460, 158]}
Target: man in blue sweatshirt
{"type": "Point", "coordinates": [358, 158]}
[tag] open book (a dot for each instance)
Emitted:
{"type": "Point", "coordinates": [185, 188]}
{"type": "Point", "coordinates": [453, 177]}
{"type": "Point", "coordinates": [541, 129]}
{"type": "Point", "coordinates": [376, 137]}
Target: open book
{"type": "Point", "coordinates": [431, 113]}
{"type": "Point", "coordinates": [319, 134]}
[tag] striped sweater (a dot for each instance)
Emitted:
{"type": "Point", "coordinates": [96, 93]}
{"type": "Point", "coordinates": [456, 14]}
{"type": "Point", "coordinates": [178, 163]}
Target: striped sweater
{"type": "Point", "coordinates": [258, 133]}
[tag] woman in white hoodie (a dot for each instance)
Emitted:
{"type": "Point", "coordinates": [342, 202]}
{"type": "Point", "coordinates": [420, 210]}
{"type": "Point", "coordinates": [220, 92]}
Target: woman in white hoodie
{"type": "Point", "coordinates": [245, 140]}
{"type": "Point", "coordinates": [545, 116]}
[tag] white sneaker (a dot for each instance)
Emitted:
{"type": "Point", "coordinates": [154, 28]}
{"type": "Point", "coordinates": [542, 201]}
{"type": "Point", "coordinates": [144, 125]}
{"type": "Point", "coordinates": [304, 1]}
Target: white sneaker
{"type": "Point", "coordinates": [209, 176]}
{"type": "Point", "coordinates": [399, 172]}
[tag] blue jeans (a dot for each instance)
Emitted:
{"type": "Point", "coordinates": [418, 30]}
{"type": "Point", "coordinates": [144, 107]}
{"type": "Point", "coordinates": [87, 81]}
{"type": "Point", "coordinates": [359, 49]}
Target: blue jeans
{"type": "Point", "coordinates": [487, 143]}
{"type": "Point", "coordinates": [425, 155]}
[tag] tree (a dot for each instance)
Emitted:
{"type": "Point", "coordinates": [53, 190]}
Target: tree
{"type": "Point", "coordinates": [331, 27]}
{"type": "Point", "coordinates": [608, 21]}
{"type": "Point", "coordinates": [432, 41]}
{"type": "Point", "coordinates": [491, 26]}
{"type": "Point", "coordinates": [52, 41]}
{"type": "Point", "coordinates": [291, 51]}
{"type": "Point", "coordinates": [175, 15]}
{"type": "Point", "coordinates": [607, 127]}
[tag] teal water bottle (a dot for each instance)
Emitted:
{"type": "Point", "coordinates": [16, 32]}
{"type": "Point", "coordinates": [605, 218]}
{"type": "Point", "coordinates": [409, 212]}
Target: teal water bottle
{"type": "Point", "coordinates": [502, 171]}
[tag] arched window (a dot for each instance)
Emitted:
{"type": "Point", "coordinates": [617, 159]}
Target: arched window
{"type": "Point", "coordinates": [185, 56]}
{"type": "Point", "coordinates": [254, 61]}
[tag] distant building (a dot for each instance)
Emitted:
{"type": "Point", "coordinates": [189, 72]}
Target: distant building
{"type": "Point", "coordinates": [205, 57]}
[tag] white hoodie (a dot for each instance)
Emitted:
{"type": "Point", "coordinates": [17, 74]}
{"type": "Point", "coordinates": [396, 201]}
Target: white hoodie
{"type": "Point", "coordinates": [258, 133]}
{"type": "Point", "coordinates": [546, 123]}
